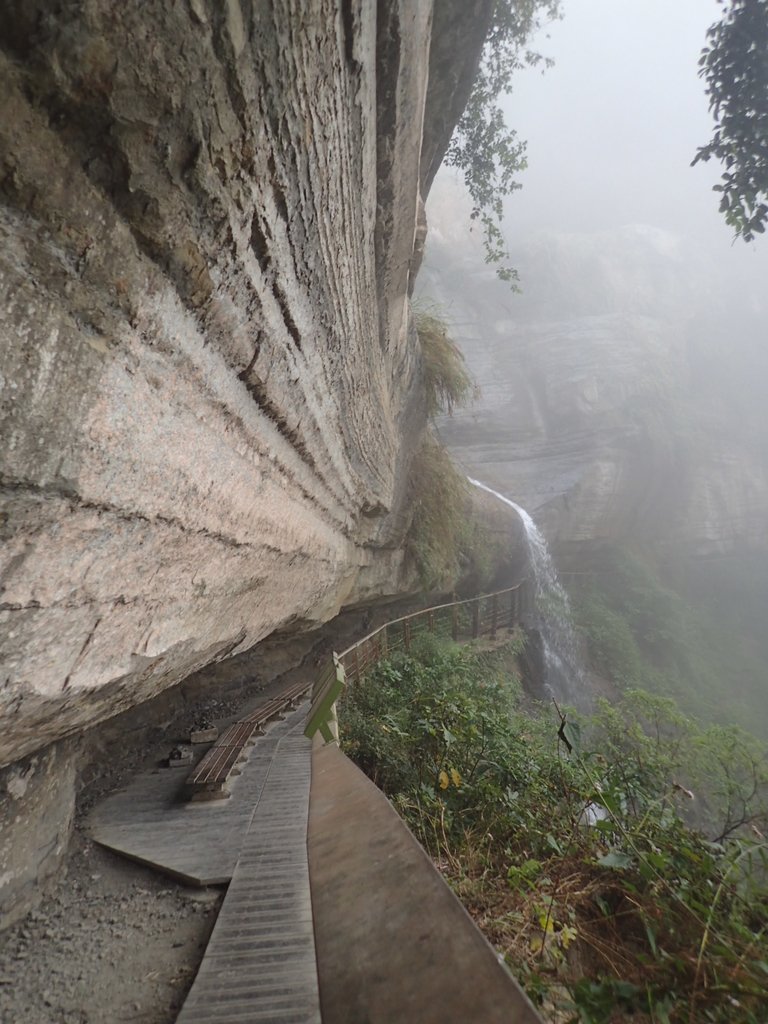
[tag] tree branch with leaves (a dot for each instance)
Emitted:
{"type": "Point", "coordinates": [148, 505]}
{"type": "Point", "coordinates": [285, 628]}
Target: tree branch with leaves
{"type": "Point", "coordinates": [734, 64]}
{"type": "Point", "coordinates": [488, 153]}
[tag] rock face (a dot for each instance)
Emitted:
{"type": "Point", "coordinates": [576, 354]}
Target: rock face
{"type": "Point", "coordinates": [210, 388]}
{"type": "Point", "coordinates": [616, 399]}
{"type": "Point", "coordinates": [40, 790]}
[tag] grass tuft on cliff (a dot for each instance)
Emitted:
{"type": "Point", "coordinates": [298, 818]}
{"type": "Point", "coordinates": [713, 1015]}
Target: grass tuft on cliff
{"type": "Point", "coordinates": [440, 528]}
{"type": "Point", "coordinates": [444, 540]}
{"type": "Point", "coordinates": [447, 380]}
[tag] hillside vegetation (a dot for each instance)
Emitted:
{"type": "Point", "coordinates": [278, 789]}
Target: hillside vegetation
{"type": "Point", "coordinates": [693, 630]}
{"type": "Point", "coordinates": [617, 863]}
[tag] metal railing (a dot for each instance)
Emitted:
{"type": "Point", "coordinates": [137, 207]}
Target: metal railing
{"type": "Point", "coordinates": [485, 616]}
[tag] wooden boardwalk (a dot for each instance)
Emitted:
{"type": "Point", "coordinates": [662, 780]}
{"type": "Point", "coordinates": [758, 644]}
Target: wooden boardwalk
{"type": "Point", "coordinates": [260, 964]}
{"type": "Point", "coordinates": [394, 945]}
{"type": "Point", "coordinates": [199, 843]}
{"type": "Point", "coordinates": [380, 939]}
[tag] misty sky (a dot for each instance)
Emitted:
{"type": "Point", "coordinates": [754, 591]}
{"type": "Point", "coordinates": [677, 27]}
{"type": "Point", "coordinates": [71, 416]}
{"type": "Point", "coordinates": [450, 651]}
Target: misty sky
{"type": "Point", "coordinates": [613, 127]}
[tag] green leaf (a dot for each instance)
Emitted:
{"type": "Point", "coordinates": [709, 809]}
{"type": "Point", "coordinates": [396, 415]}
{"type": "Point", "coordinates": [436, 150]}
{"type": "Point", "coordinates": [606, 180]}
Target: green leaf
{"type": "Point", "coordinates": [572, 734]}
{"type": "Point", "coordinates": [553, 844]}
{"type": "Point", "coordinates": [615, 859]}
{"type": "Point", "coordinates": [651, 938]}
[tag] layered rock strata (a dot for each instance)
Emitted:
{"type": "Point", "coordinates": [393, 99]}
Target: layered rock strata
{"type": "Point", "coordinates": [210, 388]}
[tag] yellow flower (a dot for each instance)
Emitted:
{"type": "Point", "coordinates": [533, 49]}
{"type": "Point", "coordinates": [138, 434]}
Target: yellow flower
{"type": "Point", "coordinates": [443, 780]}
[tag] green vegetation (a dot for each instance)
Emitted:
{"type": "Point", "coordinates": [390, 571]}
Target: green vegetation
{"type": "Point", "coordinates": [568, 841]}
{"type": "Point", "coordinates": [694, 631]}
{"type": "Point", "coordinates": [448, 382]}
{"type": "Point", "coordinates": [483, 148]}
{"type": "Point", "coordinates": [734, 65]}
{"type": "Point", "coordinates": [441, 527]}
{"type": "Point", "coordinates": [444, 540]}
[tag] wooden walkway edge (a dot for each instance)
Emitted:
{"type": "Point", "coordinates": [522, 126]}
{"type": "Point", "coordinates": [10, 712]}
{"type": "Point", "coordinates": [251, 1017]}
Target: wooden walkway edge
{"type": "Point", "coordinates": [393, 942]}
{"type": "Point", "coordinates": [260, 963]}
{"type": "Point", "coordinates": [151, 821]}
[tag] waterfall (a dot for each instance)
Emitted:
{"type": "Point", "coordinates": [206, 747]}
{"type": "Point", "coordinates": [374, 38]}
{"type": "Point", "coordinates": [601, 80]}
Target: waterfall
{"type": "Point", "coordinates": [563, 674]}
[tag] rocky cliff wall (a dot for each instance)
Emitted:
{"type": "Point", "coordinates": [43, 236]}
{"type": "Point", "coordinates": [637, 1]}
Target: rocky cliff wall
{"type": "Point", "coordinates": [210, 388]}
{"type": "Point", "coordinates": [619, 392]}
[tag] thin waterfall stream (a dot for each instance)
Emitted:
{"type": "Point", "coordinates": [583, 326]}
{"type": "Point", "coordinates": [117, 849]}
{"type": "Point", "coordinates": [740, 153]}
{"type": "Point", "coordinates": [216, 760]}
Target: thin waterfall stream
{"type": "Point", "coordinates": [563, 673]}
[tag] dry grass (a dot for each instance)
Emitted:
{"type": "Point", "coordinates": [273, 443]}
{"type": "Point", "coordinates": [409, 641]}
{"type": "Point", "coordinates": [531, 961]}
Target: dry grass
{"type": "Point", "coordinates": [577, 921]}
{"type": "Point", "coordinates": [448, 382]}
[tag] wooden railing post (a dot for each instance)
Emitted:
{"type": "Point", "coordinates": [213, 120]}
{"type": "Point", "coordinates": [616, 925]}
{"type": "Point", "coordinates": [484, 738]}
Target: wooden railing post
{"type": "Point", "coordinates": [321, 713]}
{"type": "Point", "coordinates": [488, 612]}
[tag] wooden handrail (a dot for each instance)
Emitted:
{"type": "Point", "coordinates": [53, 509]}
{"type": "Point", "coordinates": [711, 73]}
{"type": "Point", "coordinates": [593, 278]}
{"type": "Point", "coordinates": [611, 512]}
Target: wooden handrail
{"type": "Point", "coordinates": [359, 657]}
{"type": "Point", "coordinates": [431, 610]}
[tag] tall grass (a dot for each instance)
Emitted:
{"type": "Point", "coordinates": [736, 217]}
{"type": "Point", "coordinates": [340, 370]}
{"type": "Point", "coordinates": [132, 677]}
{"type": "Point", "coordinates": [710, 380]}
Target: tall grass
{"type": "Point", "coordinates": [448, 382]}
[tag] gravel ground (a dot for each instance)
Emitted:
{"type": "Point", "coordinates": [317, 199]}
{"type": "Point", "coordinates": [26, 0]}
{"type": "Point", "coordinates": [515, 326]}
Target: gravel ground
{"type": "Point", "coordinates": [115, 942]}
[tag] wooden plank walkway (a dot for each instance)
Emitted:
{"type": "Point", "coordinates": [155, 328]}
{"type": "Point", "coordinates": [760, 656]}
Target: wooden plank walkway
{"type": "Point", "coordinates": [150, 821]}
{"type": "Point", "coordinates": [260, 964]}
{"type": "Point", "coordinates": [212, 775]}
{"type": "Point", "coordinates": [394, 945]}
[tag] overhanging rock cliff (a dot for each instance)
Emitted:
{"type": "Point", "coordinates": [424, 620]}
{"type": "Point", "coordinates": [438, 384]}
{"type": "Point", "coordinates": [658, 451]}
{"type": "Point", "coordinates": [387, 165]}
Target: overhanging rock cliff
{"type": "Point", "coordinates": [210, 386]}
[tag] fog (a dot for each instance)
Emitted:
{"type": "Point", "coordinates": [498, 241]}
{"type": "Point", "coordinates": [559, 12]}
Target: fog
{"type": "Point", "coordinates": [613, 127]}
{"type": "Point", "coordinates": [623, 391]}
{"type": "Point", "coordinates": [611, 216]}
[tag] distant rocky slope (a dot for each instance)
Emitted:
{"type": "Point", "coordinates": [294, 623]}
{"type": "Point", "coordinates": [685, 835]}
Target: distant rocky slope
{"type": "Point", "coordinates": [622, 391]}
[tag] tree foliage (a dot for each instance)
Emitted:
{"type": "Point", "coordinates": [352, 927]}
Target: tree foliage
{"type": "Point", "coordinates": [449, 384]}
{"type": "Point", "coordinates": [734, 64]}
{"type": "Point", "coordinates": [483, 148]}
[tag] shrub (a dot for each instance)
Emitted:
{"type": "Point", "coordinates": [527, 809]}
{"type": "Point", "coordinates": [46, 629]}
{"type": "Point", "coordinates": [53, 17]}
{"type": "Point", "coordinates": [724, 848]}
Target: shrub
{"type": "Point", "coordinates": [578, 866]}
{"type": "Point", "coordinates": [448, 382]}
